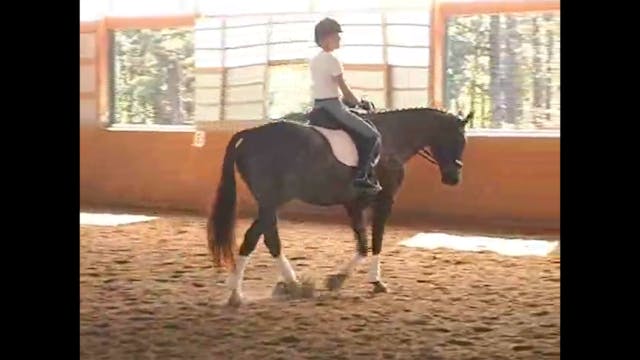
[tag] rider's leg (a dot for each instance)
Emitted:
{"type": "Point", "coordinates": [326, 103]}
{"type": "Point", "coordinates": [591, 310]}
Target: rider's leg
{"type": "Point", "coordinates": [368, 139]}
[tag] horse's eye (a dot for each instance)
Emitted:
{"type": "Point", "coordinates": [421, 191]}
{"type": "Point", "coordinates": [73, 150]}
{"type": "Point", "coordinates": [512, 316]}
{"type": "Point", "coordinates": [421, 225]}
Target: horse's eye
{"type": "Point", "coordinates": [459, 163]}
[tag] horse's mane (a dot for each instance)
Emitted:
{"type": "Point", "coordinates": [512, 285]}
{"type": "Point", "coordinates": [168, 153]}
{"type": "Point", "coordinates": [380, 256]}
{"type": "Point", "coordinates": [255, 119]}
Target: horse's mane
{"type": "Point", "coordinates": [415, 109]}
{"type": "Point", "coordinates": [441, 113]}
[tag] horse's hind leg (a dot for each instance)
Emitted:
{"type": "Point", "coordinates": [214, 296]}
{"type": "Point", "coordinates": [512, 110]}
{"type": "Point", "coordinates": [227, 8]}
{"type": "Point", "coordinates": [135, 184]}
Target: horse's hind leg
{"type": "Point", "coordinates": [235, 278]}
{"type": "Point", "coordinates": [356, 214]}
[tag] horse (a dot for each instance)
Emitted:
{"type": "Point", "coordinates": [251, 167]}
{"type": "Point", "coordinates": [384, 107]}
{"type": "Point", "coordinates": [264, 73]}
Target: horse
{"type": "Point", "coordinates": [285, 160]}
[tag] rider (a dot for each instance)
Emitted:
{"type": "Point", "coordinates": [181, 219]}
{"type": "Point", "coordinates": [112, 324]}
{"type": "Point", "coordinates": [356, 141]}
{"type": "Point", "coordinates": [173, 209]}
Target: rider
{"type": "Point", "coordinates": [326, 76]}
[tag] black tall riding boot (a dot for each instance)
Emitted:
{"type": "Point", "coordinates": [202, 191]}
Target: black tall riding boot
{"type": "Point", "coordinates": [364, 175]}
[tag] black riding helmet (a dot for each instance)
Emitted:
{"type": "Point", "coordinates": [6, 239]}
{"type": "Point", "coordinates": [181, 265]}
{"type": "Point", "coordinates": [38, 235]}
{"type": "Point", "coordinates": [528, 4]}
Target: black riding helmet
{"type": "Point", "coordinates": [325, 27]}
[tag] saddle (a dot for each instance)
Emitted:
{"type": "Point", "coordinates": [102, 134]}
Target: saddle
{"type": "Point", "coordinates": [322, 118]}
{"type": "Point", "coordinates": [341, 141]}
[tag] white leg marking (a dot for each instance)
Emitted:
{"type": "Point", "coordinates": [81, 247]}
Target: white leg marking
{"type": "Point", "coordinates": [374, 270]}
{"type": "Point", "coordinates": [285, 269]}
{"type": "Point", "coordinates": [348, 268]}
{"type": "Point", "coordinates": [235, 278]}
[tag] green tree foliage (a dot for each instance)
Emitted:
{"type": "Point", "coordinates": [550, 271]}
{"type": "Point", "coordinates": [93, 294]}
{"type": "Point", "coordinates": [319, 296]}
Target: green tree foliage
{"type": "Point", "coordinates": [506, 68]}
{"type": "Point", "coordinates": [154, 76]}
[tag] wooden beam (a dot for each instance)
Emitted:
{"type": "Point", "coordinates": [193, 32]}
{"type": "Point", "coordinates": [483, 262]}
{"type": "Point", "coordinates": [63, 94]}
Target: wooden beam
{"type": "Point", "coordinates": [160, 22]}
{"type": "Point", "coordinates": [209, 70]}
{"type": "Point", "coordinates": [437, 55]}
{"type": "Point", "coordinates": [364, 67]}
{"type": "Point", "coordinates": [88, 95]}
{"type": "Point", "coordinates": [223, 82]}
{"type": "Point", "coordinates": [102, 71]}
{"type": "Point", "coordinates": [467, 7]}
{"type": "Point", "coordinates": [88, 26]}
{"type": "Point", "coordinates": [387, 81]}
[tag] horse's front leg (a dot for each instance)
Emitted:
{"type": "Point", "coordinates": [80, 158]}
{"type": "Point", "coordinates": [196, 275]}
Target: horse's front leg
{"type": "Point", "coordinates": [356, 214]}
{"type": "Point", "coordinates": [381, 212]}
{"type": "Point", "coordinates": [391, 176]}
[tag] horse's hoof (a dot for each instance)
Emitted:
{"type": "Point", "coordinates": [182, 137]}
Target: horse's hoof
{"type": "Point", "coordinates": [280, 289]}
{"type": "Point", "coordinates": [292, 289]}
{"type": "Point", "coordinates": [380, 287]}
{"type": "Point", "coordinates": [334, 282]}
{"type": "Point", "coordinates": [235, 300]}
{"type": "Point", "coordinates": [307, 287]}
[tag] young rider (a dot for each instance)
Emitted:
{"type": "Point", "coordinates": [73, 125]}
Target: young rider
{"type": "Point", "coordinates": [327, 78]}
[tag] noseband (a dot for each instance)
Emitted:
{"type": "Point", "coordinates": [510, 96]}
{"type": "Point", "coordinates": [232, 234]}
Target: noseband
{"type": "Point", "coordinates": [426, 154]}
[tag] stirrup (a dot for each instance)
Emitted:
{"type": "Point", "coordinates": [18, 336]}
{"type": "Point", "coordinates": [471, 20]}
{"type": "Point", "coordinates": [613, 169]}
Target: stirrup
{"type": "Point", "coordinates": [366, 183]}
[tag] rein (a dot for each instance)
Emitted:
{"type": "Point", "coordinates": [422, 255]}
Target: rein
{"type": "Point", "coordinates": [426, 153]}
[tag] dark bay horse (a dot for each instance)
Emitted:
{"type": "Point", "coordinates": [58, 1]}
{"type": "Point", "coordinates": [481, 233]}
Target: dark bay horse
{"type": "Point", "coordinates": [282, 161]}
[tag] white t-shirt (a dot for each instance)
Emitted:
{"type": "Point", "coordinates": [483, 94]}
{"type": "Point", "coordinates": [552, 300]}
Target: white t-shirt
{"type": "Point", "coordinates": [324, 66]}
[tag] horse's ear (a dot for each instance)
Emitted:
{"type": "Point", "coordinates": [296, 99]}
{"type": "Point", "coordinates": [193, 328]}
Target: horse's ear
{"type": "Point", "coordinates": [469, 117]}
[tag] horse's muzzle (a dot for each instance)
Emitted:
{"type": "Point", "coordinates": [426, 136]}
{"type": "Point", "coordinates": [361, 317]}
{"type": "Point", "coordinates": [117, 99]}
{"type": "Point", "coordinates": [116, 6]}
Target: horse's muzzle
{"type": "Point", "coordinates": [451, 176]}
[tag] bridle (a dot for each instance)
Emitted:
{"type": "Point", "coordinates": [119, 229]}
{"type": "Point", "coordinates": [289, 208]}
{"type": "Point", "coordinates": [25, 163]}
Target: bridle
{"type": "Point", "coordinates": [426, 153]}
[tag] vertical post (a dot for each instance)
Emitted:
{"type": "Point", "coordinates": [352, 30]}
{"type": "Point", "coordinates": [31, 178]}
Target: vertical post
{"type": "Point", "coordinates": [265, 80]}
{"type": "Point", "coordinates": [102, 68]}
{"type": "Point", "coordinates": [386, 67]}
{"type": "Point", "coordinates": [110, 117]}
{"type": "Point", "coordinates": [223, 81]}
{"type": "Point", "coordinates": [437, 54]}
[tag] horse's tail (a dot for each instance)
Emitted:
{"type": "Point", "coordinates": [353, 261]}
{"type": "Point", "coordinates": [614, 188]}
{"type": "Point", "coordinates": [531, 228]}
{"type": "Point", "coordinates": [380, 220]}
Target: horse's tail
{"type": "Point", "coordinates": [222, 218]}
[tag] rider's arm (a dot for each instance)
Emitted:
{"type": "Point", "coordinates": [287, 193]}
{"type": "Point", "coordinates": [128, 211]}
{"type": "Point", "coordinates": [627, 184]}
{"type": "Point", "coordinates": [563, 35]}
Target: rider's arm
{"type": "Point", "coordinates": [336, 71]}
{"type": "Point", "coordinates": [346, 91]}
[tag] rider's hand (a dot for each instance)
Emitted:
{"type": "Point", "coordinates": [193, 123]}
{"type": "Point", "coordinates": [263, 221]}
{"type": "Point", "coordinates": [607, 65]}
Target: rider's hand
{"type": "Point", "coordinates": [366, 105]}
{"type": "Point", "coordinates": [349, 104]}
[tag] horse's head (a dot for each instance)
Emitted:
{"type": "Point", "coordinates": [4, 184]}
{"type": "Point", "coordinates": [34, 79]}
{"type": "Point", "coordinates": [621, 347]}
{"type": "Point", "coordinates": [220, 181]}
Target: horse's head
{"type": "Point", "coordinates": [447, 146]}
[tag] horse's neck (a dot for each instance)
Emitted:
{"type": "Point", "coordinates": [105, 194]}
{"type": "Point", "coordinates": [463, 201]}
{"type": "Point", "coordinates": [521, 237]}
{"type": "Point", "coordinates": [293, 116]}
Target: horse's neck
{"type": "Point", "coordinates": [403, 137]}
